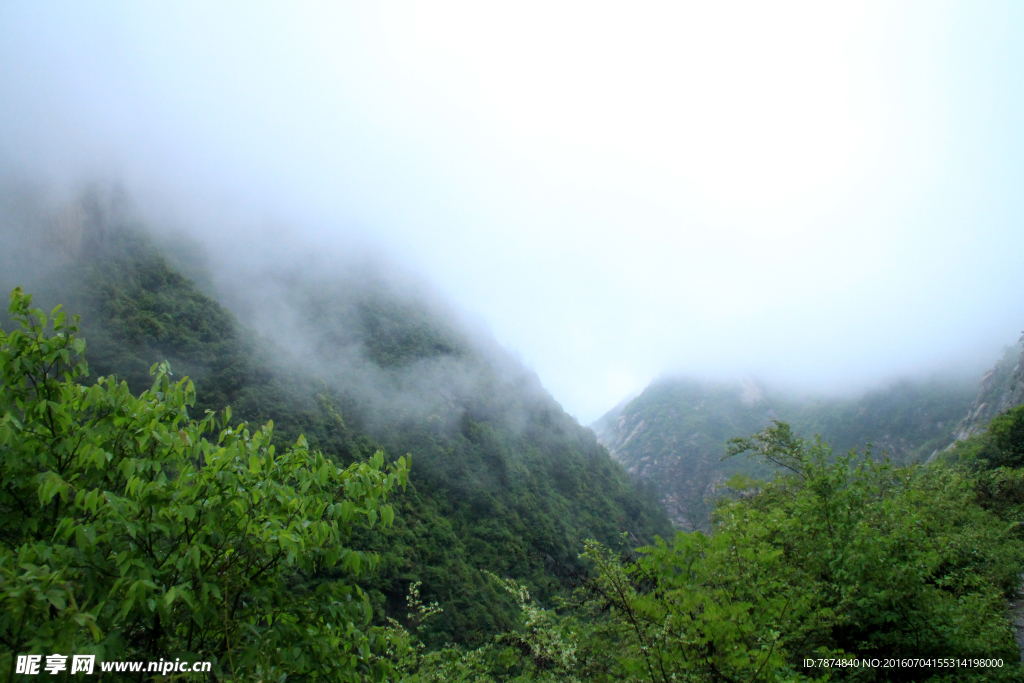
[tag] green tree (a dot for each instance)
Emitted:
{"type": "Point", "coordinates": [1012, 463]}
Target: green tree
{"type": "Point", "coordinates": [840, 557]}
{"type": "Point", "coordinates": [1007, 434]}
{"type": "Point", "coordinates": [132, 531]}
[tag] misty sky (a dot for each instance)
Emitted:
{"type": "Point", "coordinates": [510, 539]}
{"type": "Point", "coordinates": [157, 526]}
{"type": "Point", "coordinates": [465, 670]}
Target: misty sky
{"type": "Point", "coordinates": [816, 194]}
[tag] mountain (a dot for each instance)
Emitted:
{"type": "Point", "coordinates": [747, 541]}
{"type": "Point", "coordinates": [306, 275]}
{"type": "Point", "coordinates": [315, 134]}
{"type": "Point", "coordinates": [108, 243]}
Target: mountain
{"type": "Point", "coordinates": [355, 357]}
{"type": "Point", "coordinates": [674, 434]}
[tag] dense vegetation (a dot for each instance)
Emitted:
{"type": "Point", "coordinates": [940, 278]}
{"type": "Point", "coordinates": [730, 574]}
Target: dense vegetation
{"type": "Point", "coordinates": [504, 479]}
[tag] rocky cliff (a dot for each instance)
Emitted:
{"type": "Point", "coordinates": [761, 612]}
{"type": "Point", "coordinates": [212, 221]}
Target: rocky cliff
{"type": "Point", "coordinates": [1001, 389]}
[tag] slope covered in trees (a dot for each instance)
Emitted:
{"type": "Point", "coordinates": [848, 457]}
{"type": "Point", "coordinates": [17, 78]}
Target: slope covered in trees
{"type": "Point", "coordinates": [502, 480]}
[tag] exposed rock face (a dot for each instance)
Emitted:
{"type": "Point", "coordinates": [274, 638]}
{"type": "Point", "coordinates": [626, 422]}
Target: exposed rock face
{"type": "Point", "coordinates": [1001, 389]}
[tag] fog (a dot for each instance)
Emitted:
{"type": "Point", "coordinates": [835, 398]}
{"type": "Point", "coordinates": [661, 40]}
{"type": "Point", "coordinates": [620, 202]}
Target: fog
{"type": "Point", "coordinates": [820, 197]}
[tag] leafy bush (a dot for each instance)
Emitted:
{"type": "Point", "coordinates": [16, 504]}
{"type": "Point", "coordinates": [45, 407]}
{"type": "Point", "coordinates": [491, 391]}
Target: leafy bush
{"type": "Point", "coordinates": [1007, 432]}
{"type": "Point", "coordinates": [127, 533]}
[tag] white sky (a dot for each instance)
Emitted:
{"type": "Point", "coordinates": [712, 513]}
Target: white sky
{"type": "Point", "coordinates": [817, 194]}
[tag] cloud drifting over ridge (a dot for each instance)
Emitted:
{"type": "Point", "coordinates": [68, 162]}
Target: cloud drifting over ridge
{"type": "Point", "coordinates": [819, 196]}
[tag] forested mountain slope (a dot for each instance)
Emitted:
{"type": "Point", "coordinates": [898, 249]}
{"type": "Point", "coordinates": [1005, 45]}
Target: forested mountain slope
{"type": "Point", "coordinates": [674, 434]}
{"type": "Point", "coordinates": [502, 478]}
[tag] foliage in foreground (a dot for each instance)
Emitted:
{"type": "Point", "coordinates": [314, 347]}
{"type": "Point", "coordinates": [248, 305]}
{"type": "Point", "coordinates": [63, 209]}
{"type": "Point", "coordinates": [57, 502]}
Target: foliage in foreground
{"type": "Point", "coordinates": [845, 557]}
{"type": "Point", "coordinates": [126, 532]}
